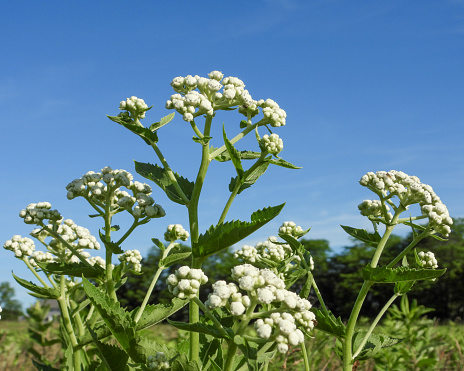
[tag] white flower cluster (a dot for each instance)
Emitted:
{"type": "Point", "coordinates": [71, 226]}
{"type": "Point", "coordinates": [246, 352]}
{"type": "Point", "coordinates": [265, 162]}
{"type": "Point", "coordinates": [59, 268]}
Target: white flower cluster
{"type": "Point", "coordinates": [158, 362]}
{"type": "Point", "coordinates": [134, 105]}
{"type": "Point", "coordinates": [186, 281]}
{"type": "Point", "coordinates": [373, 208]}
{"type": "Point", "coordinates": [36, 213]}
{"type": "Point", "coordinates": [41, 257]}
{"type": "Point", "coordinates": [267, 250]}
{"type": "Point", "coordinates": [410, 190]}
{"type": "Point", "coordinates": [428, 260]}
{"type": "Point", "coordinates": [92, 260]}
{"type": "Point", "coordinates": [21, 246]}
{"type": "Point", "coordinates": [176, 232]}
{"type": "Point", "coordinates": [272, 143]}
{"type": "Point", "coordinates": [190, 103]}
{"type": "Point", "coordinates": [292, 229]}
{"type": "Point", "coordinates": [95, 186]}
{"type": "Point", "coordinates": [132, 257]}
{"type": "Point", "coordinates": [282, 328]}
{"type": "Point", "coordinates": [78, 237]}
{"type": "Point", "coordinates": [222, 292]}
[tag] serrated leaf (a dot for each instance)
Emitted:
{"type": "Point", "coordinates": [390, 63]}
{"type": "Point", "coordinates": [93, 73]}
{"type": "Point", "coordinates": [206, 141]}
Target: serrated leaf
{"type": "Point", "coordinates": [72, 269]}
{"type": "Point", "coordinates": [282, 163]}
{"type": "Point", "coordinates": [226, 234]}
{"type": "Point", "coordinates": [250, 178]}
{"type": "Point", "coordinates": [146, 134]}
{"type": "Point", "coordinates": [234, 155]}
{"type": "Point", "coordinates": [328, 323]}
{"type": "Point", "coordinates": [119, 321]}
{"type": "Point", "coordinates": [400, 274]}
{"type": "Point", "coordinates": [244, 155]}
{"type": "Point", "coordinates": [143, 347]}
{"type": "Point", "coordinates": [40, 292]}
{"type": "Point", "coordinates": [112, 356]}
{"type": "Point", "coordinates": [156, 313]}
{"type": "Point", "coordinates": [362, 235]}
{"type": "Point", "coordinates": [158, 175]}
{"type": "Point", "coordinates": [165, 120]}
{"type": "Point", "coordinates": [102, 331]}
{"type": "Point", "coordinates": [374, 344]}
{"type": "Point", "coordinates": [208, 349]}
{"type": "Point", "coordinates": [199, 327]}
{"type": "Point", "coordinates": [173, 258]}
{"type": "Point", "coordinates": [113, 247]}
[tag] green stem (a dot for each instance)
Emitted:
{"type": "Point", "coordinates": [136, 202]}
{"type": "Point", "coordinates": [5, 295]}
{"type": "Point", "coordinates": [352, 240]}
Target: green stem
{"type": "Point", "coordinates": [210, 316]}
{"type": "Point", "coordinates": [350, 326]}
{"type": "Point", "coordinates": [194, 312]}
{"type": "Point", "coordinates": [24, 259]}
{"type": "Point", "coordinates": [134, 225]}
{"type": "Point", "coordinates": [408, 248]}
{"type": "Point", "coordinates": [237, 186]}
{"type": "Point", "coordinates": [374, 323]}
{"type": "Point", "coordinates": [109, 254]}
{"type": "Point", "coordinates": [170, 173]}
{"type": "Point", "coordinates": [68, 325]}
{"type": "Point", "coordinates": [153, 282]}
{"type": "Point", "coordinates": [305, 356]}
{"type": "Point", "coordinates": [236, 138]}
{"type": "Point", "coordinates": [68, 245]}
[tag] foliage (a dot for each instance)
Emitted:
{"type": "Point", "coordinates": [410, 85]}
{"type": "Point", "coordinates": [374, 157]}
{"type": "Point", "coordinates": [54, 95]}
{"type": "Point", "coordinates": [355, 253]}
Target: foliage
{"type": "Point", "coordinates": [10, 306]}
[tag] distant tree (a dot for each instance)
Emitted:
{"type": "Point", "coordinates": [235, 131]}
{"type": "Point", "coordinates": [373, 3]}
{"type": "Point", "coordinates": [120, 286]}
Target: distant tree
{"type": "Point", "coordinates": [10, 306]}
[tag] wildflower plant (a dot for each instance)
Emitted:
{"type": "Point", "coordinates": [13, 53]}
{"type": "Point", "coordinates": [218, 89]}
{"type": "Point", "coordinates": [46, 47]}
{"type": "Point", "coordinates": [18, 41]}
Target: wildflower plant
{"type": "Point", "coordinates": [247, 320]}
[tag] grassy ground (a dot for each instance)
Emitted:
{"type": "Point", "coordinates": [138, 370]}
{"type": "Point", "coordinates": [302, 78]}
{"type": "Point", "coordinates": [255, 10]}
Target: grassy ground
{"type": "Point", "coordinates": [438, 347]}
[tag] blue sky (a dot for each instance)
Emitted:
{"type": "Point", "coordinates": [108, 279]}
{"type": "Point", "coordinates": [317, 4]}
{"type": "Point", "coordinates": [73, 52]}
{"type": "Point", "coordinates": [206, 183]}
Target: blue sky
{"type": "Point", "coordinates": [367, 86]}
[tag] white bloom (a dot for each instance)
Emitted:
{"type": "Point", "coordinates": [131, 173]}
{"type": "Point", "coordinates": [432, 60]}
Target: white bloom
{"type": "Point", "coordinates": [272, 143]}
{"type": "Point", "coordinates": [427, 260]}
{"type": "Point", "coordinates": [176, 232]}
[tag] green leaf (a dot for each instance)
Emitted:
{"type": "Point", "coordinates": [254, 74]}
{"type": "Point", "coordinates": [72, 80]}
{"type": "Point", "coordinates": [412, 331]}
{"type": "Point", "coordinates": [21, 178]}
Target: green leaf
{"type": "Point", "coordinates": [226, 234]}
{"type": "Point", "coordinates": [40, 292]}
{"type": "Point", "coordinates": [112, 356]}
{"type": "Point", "coordinates": [250, 178]}
{"type": "Point", "coordinates": [73, 269]}
{"type": "Point", "coordinates": [400, 274]}
{"type": "Point", "coordinates": [146, 134]}
{"type": "Point", "coordinates": [203, 141]}
{"type": "Point", "coordinates": [234, 155]}
{"type": "Point", "coordinates": [328, 323]}
{"type": "Point", "coordinates": [165, 120]}
{"type": "Point", "coordinates": [143, 347]}
{"type": "Point", "coordinates": [282, 163]}
{"type": "Point", "coordinates": [173, 258]}
{"type": "Point", "coordinates": [199, 327]}
{"type": "Point", "coordinates": [158, 175]}
{"type": "Point", "coordinates": [402, 288]}
{"type": "Point", "coordinates": [374, 344]}
{"type": "Point", "coordinates": [208, 349]}
{"type": "Point", "coordinates": [159, 244]}
{"type": "Point", "coordinates": [154, 314]}
{"type": "Point", "coordinates": [372, 239]}
{"type": "Point", "coordinates": [113, 247]}
{"type": "Point", "coordinates": [244, 155]}
{"type": "Point", "coordinates": [119, 321]}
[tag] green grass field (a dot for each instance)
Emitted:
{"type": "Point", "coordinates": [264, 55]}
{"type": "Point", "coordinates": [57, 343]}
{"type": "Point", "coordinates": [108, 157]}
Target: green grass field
{"type": "Point", "coordinates": [431, 347]}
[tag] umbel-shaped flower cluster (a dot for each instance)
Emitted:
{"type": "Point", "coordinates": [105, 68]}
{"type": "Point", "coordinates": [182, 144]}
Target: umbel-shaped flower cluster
{"type": "Point", "coordinates": [409, 190]}
{"type": "Point", "coordinates": [97, 188]}
{"type": "Point", "coordinates": [271, 252]}
{"type": "Point", "coordinates": [427, 260]}
{"type": "Point", "coordinates": [263, 287]}
{"type": "Point", "coordinates": [133, 259]}
{"type": "Point", "coordinates": [175, 232]}
{"type": "Point", "coordinates": [200, 95]}
{"type": "Point", "coordinates": [186, 281]}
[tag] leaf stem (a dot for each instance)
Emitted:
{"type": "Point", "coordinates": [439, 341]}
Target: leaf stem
{"type": "Point", "coordinates": [31, 268]}
{"type": "Point", "coordinates": [170, 173]}
{"type": "Point", "coordinates": [374, 323]}
{"type": "Point", "coordinates": [153, 282]}
{"type": "Point", "coordinates": [211, 316]}
{"type": "Point", "coordinates": [413, 243]}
